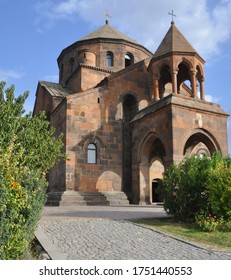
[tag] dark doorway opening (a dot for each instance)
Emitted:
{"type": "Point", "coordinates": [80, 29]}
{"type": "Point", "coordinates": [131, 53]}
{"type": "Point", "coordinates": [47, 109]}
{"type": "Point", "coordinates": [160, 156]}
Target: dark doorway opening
{"type": "Point", "coordinates": [156, 195]}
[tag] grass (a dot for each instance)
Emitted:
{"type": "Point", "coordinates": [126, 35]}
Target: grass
{"type": "Point", "coordinates": [189, 232]}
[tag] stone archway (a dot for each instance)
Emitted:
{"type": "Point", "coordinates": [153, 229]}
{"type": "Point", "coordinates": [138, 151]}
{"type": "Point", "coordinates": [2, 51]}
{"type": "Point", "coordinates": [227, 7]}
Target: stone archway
{"type": "Point", "coordinates": [199, 143]}
{"type": "Point", "coordinates": [152, 154]}
{"type": "Point", "coordinates": [156, 171]}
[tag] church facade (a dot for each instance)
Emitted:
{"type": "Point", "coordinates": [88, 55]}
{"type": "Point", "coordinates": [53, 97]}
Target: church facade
{"type": "Point", "coordinates": [127, 114]}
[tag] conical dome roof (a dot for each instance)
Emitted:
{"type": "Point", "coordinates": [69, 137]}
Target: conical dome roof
{"type": "Point", "coordinates": [108, 32]}
{"type": "Point", "coordinates": [174, 41]}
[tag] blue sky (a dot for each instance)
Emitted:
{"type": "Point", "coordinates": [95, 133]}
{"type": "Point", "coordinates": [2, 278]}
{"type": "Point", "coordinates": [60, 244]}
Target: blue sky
{"type": "Point", "coordinates": [33, 33]}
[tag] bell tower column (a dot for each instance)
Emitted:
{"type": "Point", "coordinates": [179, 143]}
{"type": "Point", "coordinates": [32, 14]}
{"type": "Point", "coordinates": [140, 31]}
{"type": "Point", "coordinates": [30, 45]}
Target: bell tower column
{"type": "Point", "coordinates": [202, 91]}
{"type": "Point", "coordinates": [194, 83]}
{"type": "Point", "coordinates": [156, 88]}
{"type": "Point", "coordinates": [174, 81]}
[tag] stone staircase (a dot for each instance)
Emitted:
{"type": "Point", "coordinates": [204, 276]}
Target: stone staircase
{"type": "Point", "coordinates": [116, 198]}
{"type": "Point", "coordinates": [67, 198]}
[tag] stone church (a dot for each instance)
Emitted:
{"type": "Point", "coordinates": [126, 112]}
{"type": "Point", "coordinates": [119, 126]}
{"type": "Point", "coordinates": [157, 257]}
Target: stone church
{"type": "Point", "coordinates": [126, 114]}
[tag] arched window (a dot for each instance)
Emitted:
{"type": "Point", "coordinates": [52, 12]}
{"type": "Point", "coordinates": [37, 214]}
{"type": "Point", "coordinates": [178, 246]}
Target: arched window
{"type": "Point", "coordinates": [91, 153]}
{"type": "Point", "coordinates": [109, 59]}
{"type": "Point", "coordinates": [128, 59]}
{"type": "Point", "coordinates": [72, 64]}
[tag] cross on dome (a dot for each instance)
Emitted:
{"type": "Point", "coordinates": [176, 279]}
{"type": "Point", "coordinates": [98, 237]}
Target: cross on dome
{"type": "Point", "coordinates": [173, 15]}
{"type": "Point", "coordinates": [107, 16]}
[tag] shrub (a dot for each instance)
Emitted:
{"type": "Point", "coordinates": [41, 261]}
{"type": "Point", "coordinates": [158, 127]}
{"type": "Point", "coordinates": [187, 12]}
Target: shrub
{"type": "Point", "coordinates": [199, 189]}
{"type": "Point", "coordinates": [218, 185]}
{"type": "Point", "coordinates": [28, 149]}
{"type": "Point", "coordinates": [184, 188]}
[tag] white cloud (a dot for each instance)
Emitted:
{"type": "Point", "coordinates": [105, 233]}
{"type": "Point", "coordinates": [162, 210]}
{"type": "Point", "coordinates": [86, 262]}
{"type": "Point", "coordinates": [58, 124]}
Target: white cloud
{"type": "Point", "coordinates": [205, 25]}
{"type": "Point", "coordinates": [66, 8]}
{"type": "Point", "coordinates": [50, 11]}
{"type": "Point", "coordinates": [211, 98]}
{"type": "Point", "coordinates": [8, 74]}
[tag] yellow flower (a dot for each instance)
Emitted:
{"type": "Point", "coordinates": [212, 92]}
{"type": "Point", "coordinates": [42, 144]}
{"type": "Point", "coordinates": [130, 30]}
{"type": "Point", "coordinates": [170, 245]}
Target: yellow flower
{"type": "Point", "coordinates": [14, 185]}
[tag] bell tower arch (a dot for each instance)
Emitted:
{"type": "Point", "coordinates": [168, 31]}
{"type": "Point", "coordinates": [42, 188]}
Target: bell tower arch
{"type": "Point", "coordinates": [175, 62]}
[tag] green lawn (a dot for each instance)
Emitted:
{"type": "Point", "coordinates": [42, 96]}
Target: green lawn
{"type": "Point", "coordinates": [190, 232]}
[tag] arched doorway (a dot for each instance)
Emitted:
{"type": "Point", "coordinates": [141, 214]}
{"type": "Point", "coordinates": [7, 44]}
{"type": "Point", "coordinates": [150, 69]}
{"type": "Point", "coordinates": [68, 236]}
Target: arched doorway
{"type": "Point", "coordinates": [155, 193]}
{"type": "Point", "coordinates": [151, 168]}
{"type": "Point", "coordinates": [156, 171]}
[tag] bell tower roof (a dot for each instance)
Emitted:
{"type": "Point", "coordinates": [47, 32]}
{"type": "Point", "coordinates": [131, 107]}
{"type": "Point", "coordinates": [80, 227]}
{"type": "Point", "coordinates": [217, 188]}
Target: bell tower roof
{"type": "Point", "coordinates": [174, 42]}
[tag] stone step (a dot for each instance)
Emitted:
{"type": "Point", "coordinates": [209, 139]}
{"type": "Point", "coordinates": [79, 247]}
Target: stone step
{"type": "Point", "coordinates": [116, 198]}
{"type": "Point", "coordinates": [65, 198]}
{"type": "Point", "coordinates": [94, 198]}
{"type": "Point", "coordinates": [86, 198]}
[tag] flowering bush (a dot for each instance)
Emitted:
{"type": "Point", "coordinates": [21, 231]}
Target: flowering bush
{"type": "Point", "coordinates": [22, 193]}
{"type": "Point", "coordinates": [196, 185]}
{"type": "Point", "coordinates": [209, 222]}
{"type": "Point", "coordinates": [28, 149]}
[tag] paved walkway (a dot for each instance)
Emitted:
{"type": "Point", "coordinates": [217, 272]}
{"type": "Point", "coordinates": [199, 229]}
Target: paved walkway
{"type": "Point", "coordinates": [104, 232]}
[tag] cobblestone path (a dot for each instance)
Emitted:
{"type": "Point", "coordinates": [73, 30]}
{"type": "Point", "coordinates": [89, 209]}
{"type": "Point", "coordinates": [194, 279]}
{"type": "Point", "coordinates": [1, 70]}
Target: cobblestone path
{"type": "Point", "coordinates": [103, 239]}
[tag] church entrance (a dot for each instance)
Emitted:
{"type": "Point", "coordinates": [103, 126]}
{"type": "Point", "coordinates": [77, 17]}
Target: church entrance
{"type": "Point", "coordinates": [157, 196]}
{"type": "Point", "coordinates": [155, 193]}
{"type": "Point", "coordinates": [156, 171]}
{"type": "Point", "coordinates": [151, 169]}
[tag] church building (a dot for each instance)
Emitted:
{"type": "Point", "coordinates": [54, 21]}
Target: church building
{"type": "Point", "coordinates": [126, 114]}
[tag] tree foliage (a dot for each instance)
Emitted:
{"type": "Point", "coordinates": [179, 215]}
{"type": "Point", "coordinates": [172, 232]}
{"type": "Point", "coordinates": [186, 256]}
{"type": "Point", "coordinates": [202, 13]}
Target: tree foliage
{"type": "Point", "coordinates": [199, 189]}
{"type": "Point", "coordinates": [40, 148]}
{"type": "Point", "coordinates": [218, 185]}
{"type": "Point", "coordinates": [28, 149]}
{"type": "Point", "coordinates": [184, 188]}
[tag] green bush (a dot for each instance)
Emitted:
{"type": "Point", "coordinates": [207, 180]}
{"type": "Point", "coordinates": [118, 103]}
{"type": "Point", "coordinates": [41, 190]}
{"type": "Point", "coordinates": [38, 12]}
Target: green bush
{"type": "Point", "coordinates": [23, 193]}
{"type": "Point", "coordinates": [28, 149]}
{"type": "Point", "coordinates": [199, 189]}
{"type": "Point", "coordinates": [184, 188]}
{"type": "Point", "coordinates": [218, 185]}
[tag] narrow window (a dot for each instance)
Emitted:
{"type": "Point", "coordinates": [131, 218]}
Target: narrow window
{"type": "Point", "coordinates": [128, 59]}
{"type": "Point", "coordinates": [91, 153]}
{"type": "Point", "coordinates": [109, 59]}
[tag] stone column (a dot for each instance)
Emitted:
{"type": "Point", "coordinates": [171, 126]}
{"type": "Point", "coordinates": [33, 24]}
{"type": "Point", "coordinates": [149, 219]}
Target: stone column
{"type": "Point", "coordinates": [156, 89]}
{"type": "Point", "coordinates": [144, 184]}
{"type": "Point", "coordinates": [194, 83]}
{"type": "Point", "coordinates": [202, 92]}
{"type": "Point", "coordinates": [174, 81]}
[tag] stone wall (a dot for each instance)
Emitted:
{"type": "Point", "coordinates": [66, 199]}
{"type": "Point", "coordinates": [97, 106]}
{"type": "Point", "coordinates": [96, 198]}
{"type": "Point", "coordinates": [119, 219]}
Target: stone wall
{"type": "Point", "coordinates": [57, 175]}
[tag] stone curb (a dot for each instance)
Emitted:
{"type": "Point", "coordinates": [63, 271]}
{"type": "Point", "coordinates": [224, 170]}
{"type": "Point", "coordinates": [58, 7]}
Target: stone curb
{"type": "Point", "coordinates": [196, 245]}
{"type": "Point", "coordinates": [48, 246]}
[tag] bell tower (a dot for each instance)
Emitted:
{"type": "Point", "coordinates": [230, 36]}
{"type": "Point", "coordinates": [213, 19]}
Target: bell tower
{"type": "Point", "coordinates": [176, 67]}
